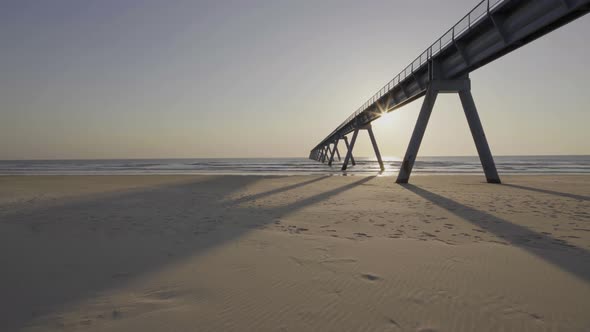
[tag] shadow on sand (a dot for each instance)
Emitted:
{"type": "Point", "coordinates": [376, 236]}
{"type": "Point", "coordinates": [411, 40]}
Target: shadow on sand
{"type": "Point", "coordinates": [277, 190]}
{"type": "Point", "coordinates": [57, 255]}
{"type": "Point", "coordinates": [550, 192]}
{"type": "Point", "coordinates": [575, 261]}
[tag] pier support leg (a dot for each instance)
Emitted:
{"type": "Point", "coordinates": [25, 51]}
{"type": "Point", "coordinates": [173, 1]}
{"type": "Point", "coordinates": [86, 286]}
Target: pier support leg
{"type": "Point", "coordinates": [410, 156]}
{"type": "Point", "coordinates": [463, 88]}
{"type": "Point", "coordinates": [338, 154]}
{"type": "Point", "coordinates": [350, 147]}
{"type": "Point", "coordinates": [326, 149]}
{"type": "Point", "coordinates": [481, 143]}
{"type": "Point", "coordinates": [333, 153]}
{"type": "Point", "coordinates": [374, 142]}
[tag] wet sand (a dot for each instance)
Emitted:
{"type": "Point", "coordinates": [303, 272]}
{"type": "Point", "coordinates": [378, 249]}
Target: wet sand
{"type": "Point", "coordinates": [298, 253]}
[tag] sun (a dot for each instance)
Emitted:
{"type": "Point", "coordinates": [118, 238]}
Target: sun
{"type": "Point", "coordinates": [386, 119]}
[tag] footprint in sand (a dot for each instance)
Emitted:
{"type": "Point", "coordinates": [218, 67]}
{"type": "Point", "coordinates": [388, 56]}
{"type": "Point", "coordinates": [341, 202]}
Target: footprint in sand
{"type": "Point", "coordinates": [116, 314]}
{"type": "Point", "coordinates": [362, 235]}
{"type": "Point", "coordinates": [370, 277]}
{"type": "Point", "coordinates": [394, 323]}
{"type": "Point", "coordinates": [427, 329]}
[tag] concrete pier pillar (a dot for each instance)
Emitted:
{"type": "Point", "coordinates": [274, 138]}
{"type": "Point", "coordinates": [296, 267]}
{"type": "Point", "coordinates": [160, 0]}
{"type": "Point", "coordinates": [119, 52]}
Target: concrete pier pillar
{"type": "Point", "coordinates": [333, 153]}
{"type": "Point", "coordinates": [374, 143]}
{"type": "Point", "coordinates": [481, 143]}
{"type": "Point", "coordinates": [463, 88]}
{"type": "Point", "coordinates": [410, 156]}
{"type": "Point", "coordinates": [350, 147]}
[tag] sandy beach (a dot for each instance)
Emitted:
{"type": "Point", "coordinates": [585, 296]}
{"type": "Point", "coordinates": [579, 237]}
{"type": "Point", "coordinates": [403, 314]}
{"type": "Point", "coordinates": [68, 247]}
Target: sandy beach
{"type": "Point", "coordinates": [294, 253]}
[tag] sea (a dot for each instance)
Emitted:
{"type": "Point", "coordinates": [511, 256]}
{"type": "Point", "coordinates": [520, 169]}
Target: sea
{"type": "Point", "coordinates": [294, 166]}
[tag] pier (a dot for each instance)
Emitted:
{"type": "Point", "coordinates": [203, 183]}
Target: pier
{"type": "Point", "coordinates": [489, 31]}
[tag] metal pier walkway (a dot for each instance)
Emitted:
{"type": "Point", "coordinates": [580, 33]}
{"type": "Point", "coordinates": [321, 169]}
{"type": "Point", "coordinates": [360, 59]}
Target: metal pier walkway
{"type": "Point", "coordinates": [489, 31]}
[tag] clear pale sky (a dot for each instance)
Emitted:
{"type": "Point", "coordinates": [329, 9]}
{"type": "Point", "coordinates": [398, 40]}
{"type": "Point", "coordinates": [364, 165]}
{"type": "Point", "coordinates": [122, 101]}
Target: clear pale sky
{"type": "Point", "coordinates": [159, 79]}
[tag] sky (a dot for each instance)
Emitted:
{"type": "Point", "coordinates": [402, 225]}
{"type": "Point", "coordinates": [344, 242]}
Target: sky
{"type": "Point", "coordinates": [247, 78]}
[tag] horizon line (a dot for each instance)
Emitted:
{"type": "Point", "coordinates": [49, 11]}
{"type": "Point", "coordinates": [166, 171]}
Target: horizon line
{"type": "Point", "coordinates": [302, 157]}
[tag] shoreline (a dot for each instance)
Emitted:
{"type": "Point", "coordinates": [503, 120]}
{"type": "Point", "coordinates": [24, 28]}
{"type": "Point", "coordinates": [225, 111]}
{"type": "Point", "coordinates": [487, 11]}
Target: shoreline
{"type": "Point", "coordinates": [335, 174]}
{"type": "Point", "coordinates": [511, 165]}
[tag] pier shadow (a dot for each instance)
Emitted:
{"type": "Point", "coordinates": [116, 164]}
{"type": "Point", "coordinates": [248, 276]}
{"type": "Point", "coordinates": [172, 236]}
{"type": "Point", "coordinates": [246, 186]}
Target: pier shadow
{"type": "Point", "coordinates": [277, 191]}
{"type": "Point", "coordinates": [297, 205]}
{"type": "Point", "coordinates": [56, 256]}
{"type": "Point", "coordinates": [559, 253]}
{"type": "Point", "coordinates": [550, 192]}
